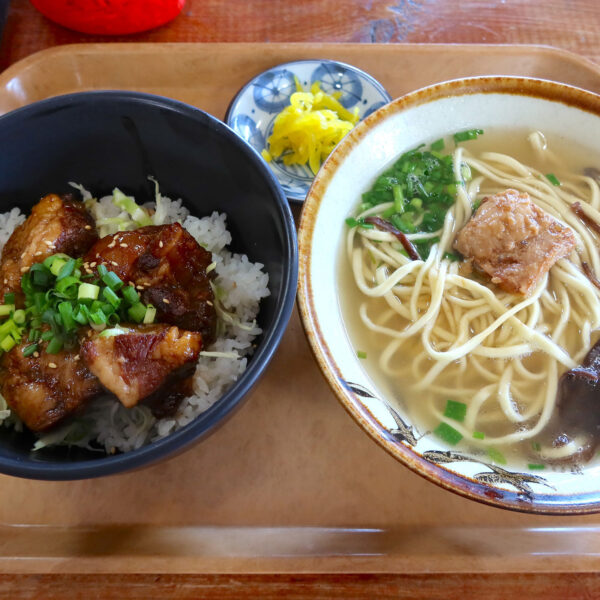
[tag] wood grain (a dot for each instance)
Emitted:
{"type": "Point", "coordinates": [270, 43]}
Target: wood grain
{"type": "Point", "coordinates": [573, 25]}
{"type": "Point", "coordinates": [491, 586]}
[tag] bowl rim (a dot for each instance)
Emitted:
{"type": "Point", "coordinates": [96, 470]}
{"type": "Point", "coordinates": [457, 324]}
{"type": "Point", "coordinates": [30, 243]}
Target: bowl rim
{"type": "Point", "coordinates": [557, 504]}
{"type": "Point", "coordinates": [233, 398]}
{"type": "Point", "coordinates": [232, 109]}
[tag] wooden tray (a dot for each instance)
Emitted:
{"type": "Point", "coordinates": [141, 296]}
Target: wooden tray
{"type": "Point", "coordinates": [290, 485]}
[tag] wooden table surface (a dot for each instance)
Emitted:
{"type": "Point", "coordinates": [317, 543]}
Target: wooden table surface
{"type": "Point", "coordinates": [572, 25]}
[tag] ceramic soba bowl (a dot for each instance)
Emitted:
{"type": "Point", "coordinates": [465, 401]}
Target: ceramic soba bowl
{"type": "Point", "coordinates": [563, 112]}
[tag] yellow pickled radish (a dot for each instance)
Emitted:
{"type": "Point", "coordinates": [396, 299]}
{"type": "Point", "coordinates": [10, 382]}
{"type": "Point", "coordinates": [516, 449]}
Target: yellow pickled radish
{"type": "Point", "coordinates": [306, 131]}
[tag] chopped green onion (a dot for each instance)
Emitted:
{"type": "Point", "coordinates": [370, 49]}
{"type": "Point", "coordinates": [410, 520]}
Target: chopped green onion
{"type": "Point", "coordinates": [536, 446]}
{"type": "Point", "coordinates": [130, 295]}
{"type": "Point", "coordinates": [496, 456]}
{"type": "Point", "coordinates": [438, 145]}
{"type": "Point", "coordinates": [137, 312]}
{"type": "Point", "coordinates": [364, 225]}
{"type": "Point", "coordinates": [66, 312]}
{"type": "Point", "coordinates": [455, 410]}
{"type": "Point", "coordinates": [29, 350]}
{"type": "Point", "coordinates": [452, 256]}
{"type": "Point", "coordinates": [19, 317]}
{"type": "Point", "coordinates": [8, 343]}
{"type": "Point", "coordinates": [553, 179]}
{"type": "Point", "coordinates": [113, 281]}
{"type": "Point", "coordinates": [351, 222]}
{"type": "Point", "coordinates": [6, 309]}
{"type": "Point", "coordinates": [476, 205]}
{"type": "Point", "coordinates": [114, 331]}
{"type": "Point", "coordinates": [111, 297]}
{"type": "Point", "coordinates": [47, 335]}
{"type": "Point", "coordinates": [57, 265]}
{"type": "Point", "coordinates": [150, 314]}
{"type": "Point", "coordinates": [9, 298]}
{"type": "Point", "coordinates": [66, 270]}
{"type": "Point", "coordinates": [102, 270]}
{"type": "Point", "coordinates": [470, 134]}
{"type": "Point", "coordinates": [448, 434]}
{"type": "Point", "coordinates": [88, 291]}
{"type": "Point", "coordinates": [398, 198]}
{"type": "Point", "coordinates": [54, 346]}
{"type": "Point", "coordinates": [361, 354]}
{"type": "Point", "coordinates": [536, 467]}
{"type": "Point", "coordinates": [478, 435]}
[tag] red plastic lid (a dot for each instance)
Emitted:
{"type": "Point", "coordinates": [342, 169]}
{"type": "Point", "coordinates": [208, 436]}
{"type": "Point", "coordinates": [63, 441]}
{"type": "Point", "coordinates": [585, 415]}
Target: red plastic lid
{"type": "Point", "coordinates": [110, 17]}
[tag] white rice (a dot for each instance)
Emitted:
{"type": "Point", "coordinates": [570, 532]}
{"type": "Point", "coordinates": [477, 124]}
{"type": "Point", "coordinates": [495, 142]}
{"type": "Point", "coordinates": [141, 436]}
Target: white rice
{"type": "Point", "coordinates": [240, 285]}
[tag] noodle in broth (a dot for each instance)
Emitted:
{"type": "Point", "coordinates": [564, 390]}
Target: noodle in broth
{"type": "Point", "coordinates": [441, 333]}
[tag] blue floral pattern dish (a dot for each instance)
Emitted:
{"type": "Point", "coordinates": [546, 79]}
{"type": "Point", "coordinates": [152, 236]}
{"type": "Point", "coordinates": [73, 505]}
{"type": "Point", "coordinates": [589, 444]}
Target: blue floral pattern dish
{"type": "Point", "coordinates": [253, 111]}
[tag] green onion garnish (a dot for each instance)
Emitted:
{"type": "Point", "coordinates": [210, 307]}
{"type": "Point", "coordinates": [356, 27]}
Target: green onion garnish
{"type": "Point", "coordinates": [448, 434]}
{"type": "Point", "coordinates": [137, 312]}
{"type": "Point", "coordinates": [455, 410]}
{"type": "Point", "coordinates": [88, 291]}
{"type": "Point", "coordinates": [130, 295]}
{"type": "Point", "coordinates": [536, 467]}
{"type": "Point", "coordinates": [536, 446]}
{"type": "Point", "coordinates": [8, 343]}
{"type": "Point", "coordinates": [150, 314]}
{"type": "Point", "coordinates": [112, 280]}
{"type": "Point", "coordinates": [470, 134]}
{"type": "Point", "coordinates": [6, 309]}
{"type": "Point", "coordinates": [553, 179]}
{"type": "Point", "coordinates": [351, 222]}
{"type": "Point", "coordinates": [361, 354]}
{"type": "Point", "coordinates": [438, 145]}
{"type": "Point", "coordinates": [54, 346]}
{"type": "Point", "coordinates": [496, 456]}
{"type": "Point", "coordinates": [29, 350]}
{"type": "Point", "coordinates": [479, 435]}
{"type": "Point", "coordinates": [9, 298]}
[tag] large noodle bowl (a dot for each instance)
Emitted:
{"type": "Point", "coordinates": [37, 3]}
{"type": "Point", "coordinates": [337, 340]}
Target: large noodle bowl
{"type": "Point", "coordinates": [433, 331]}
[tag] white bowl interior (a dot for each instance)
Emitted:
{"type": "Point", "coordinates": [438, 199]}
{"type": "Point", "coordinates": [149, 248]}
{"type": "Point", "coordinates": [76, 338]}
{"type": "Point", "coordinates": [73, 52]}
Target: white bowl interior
{"type": "Point", "coordinates": [399, 131]}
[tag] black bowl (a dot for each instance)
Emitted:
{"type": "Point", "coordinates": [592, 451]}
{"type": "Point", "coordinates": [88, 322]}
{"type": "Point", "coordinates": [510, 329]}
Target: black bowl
{"type": "Point", "coordinates": [113, 139]}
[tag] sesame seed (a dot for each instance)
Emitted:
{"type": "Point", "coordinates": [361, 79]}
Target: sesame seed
{"type": "Point", "coordinates": [5, 281]}
{"type": "Point", "coordinates": [123, 245]}
{"type": "Point", "coordinates": [52, 365]}
{"type": "Point", "coordinates": [76, 358]}
{"type": "Point", "coordinates": [89, 271]}
{"type": "Point", "coordinates": [36, 354]}
{"type": "Point", "coordinates": [88, 227]}
{"type": "Point", "coordinates": [48, 243]}
{"type": "Point", "coordinates": [97, 255]}
{"type": "Point", "coordinates": [160, 244]}
{"type": "Point", "coordinates": [23, 255]}
{"type": "Point", "coordinates": [38, 253]}
{"type": "Point", "coordinates": [86, 265]}
{"type": "Point", "coordinates": [209, 303]}
{"type": "Point", "coordinates": [93, 264]}
{"type": "Point", "coordinates": [24, 269]}
{"type": "Point", "coordinates": [166, 301]}
{"type": "Point", "coordinates": [114, 262]}
{"type": "Point", "coordinates": [139, 287]}
{"type": "Point", "coordinates": [112, 244]}
{"type": "Point", "coordinates": [131, 283]}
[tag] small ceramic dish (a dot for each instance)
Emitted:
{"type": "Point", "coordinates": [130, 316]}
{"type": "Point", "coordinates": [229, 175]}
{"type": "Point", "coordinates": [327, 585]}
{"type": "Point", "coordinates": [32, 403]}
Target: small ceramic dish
{"type": "Point", "coordinates": [564, 113]}
{"type": "Point", "coordinates": [253, 111]}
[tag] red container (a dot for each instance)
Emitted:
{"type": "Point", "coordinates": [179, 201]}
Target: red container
{"type": "Point", "coordinates": [110, 17]}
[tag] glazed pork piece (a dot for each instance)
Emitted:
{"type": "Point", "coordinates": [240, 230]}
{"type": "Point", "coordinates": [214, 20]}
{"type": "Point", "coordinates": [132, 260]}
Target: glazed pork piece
{"type": "Point", "coordinates": [514, 241]}
{"type": "Point", "coordinates": [169, 269]}
{"type": "Point", "coordinates": [143, 362]}
{"type": "Point", "coordinates": [46, 389]}
{"type": "Point", "coordinates": [55, 225]}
